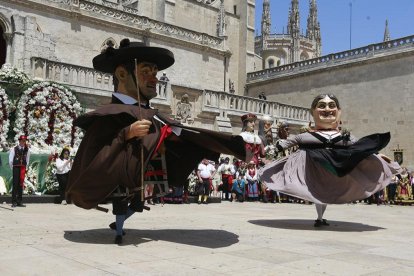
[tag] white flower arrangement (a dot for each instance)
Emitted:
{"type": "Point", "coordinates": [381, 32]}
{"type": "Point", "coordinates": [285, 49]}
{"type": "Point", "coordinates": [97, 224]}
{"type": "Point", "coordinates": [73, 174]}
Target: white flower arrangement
{"type": "Point", "coordinates": [13, 75]}
{"type": "Point", "coordinates": [30, 182]}
{"type": "Point", "coordinates": [51, 182]}
{"type": "Point", "coordinates": [4, 116]}
{"type": "Point", "coordinates": [45, 113]}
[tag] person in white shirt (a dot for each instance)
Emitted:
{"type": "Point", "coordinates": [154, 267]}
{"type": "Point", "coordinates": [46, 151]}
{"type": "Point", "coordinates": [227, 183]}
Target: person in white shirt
{"type": "Point", "coordinates": [19, 160]}
{"type": "Point", "coordinates": [63, 167]}
{"type": "Point", "coordinates": [205, 173]}
{"type": "Point", "coordinates": [227, 171]}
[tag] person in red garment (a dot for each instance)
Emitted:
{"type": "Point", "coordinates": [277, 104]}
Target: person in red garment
{"type": "Point", "coordinates": [19, 160]}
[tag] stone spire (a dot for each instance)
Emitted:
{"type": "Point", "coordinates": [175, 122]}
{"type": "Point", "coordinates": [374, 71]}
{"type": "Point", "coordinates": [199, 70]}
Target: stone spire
{"type": "Point", "coordinates": [294, 31]}
{"type": "Point", "coordinates": [313, 30]}
{"type": "Point", "coordinates": [294, 19]}
{"type": "Point", "coordinates": [221, 20]}
{"type": "Point", "coordinates": [386, 32]}
{"type": "Point", "coordinates": [266, 18]}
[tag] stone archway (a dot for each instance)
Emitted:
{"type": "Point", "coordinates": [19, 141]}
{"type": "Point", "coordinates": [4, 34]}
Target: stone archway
{"type": "Point", "coordinates": [3, 47]}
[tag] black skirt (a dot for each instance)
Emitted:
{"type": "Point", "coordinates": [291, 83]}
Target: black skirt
{"type": "Point", "coordinates": [341, 159]}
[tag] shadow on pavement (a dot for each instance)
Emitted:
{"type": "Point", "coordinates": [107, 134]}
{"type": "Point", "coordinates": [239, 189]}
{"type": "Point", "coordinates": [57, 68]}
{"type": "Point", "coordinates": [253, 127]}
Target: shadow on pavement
{"type": "Point", "coordinates": [304, 224]}
{"type": "Point", "coordinates": [204, 237]}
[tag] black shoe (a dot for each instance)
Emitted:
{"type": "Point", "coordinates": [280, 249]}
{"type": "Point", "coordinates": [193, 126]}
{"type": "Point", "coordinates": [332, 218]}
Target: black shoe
{"type": "Point", "coordinates": [14, 205]}
{"type": "Point", "coordinates": [199, 202]}
{"type": "Point", "coordinates": [113, 227]}
{"type": "Point", "coordinates": [20, 205]}
{"type": "Point", "coordinates": [205, 202]}
{"type": "Point", "coordinates": [318, 223]}
{"type": "Point", "coordinates": [118, 240]}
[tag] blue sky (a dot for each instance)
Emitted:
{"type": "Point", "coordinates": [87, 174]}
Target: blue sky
{"type": "Point", "coordinates": [368, 20]}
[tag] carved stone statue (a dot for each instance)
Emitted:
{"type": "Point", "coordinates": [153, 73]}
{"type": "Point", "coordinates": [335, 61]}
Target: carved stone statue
{"type": "Point", "coordinates": [231, 86]}
{"type": "Point", "coordinates": [183, 113]}
{"type": "Point", "coordinates": [265, 130]}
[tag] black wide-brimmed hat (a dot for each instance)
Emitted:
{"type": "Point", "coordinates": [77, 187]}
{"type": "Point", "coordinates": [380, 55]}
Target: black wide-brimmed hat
{"type": "Point", "coordinates": [127, 52]}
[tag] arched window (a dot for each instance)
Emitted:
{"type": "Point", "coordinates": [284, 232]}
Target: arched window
{"type": "Point", "coordinates": [3, 47]}
{"type": "Point", "coordinates": [271, 63]}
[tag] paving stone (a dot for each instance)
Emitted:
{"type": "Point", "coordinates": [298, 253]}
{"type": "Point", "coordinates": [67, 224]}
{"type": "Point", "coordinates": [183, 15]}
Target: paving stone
{"type": "Point", "coordinates": [217, 239]}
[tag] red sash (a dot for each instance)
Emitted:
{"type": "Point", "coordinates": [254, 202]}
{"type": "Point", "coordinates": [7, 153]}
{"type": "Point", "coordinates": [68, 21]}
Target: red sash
{"type": "Point", "coordinates": [165, 132]}
{"type": "Point", "coordinates": [22, 174]}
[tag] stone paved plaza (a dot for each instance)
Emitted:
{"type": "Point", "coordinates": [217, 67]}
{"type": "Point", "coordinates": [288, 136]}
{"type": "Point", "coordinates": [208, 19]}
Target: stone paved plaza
{"type": "Point", "coordinates": [215, 239]}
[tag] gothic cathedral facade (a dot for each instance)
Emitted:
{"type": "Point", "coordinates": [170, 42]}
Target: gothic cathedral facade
{"type": "Point", "coordinates": [292, 46]}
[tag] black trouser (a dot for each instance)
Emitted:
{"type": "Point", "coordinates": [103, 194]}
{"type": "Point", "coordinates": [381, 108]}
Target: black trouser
{"type": "Point", "coordinates": [392, 188]}
{"type": "Point", "coordinates": [204, 187]}
{"type": "Point", "coordinates": [226, 187]}
{"type": "Point", "coordinates": [120, 204]}
{"type": "Point", "coordinates": [17, 193]}
{"type": "Point", "coordinates": [62, 180]}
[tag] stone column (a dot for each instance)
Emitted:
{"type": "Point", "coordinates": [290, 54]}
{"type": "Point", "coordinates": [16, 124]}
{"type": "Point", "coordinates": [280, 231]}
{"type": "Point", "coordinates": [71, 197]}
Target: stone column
{"type": "Point", "coordinates": [17, 47]}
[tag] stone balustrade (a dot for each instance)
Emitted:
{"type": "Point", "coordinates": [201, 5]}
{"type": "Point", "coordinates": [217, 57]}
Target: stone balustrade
{"type": "Point", "coordinates": [72, 75]}
{"type": "Point", "coordinates": [369, 51]}
{"type": "Point", "coordinates": [89, 81]}
{"type": "Point", "coordinates": [85, 79]}
{"type": "Point", "coordinates": [215, 101]}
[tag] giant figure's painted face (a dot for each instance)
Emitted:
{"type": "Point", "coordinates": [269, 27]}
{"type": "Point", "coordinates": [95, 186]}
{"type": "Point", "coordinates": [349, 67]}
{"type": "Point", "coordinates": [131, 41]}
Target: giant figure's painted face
{"type": "Point", "coordinates": [326, 114]}
{"type": "Point", "coordinates": [147, 79]}
{"type": "Point", "coordinates": [250, 125]}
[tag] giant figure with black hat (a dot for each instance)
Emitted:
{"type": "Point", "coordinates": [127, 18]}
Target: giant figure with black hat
{"type": "Point", "coordinates": [19, 157]}
{"type": "Point", "coordinates": [123, 137]}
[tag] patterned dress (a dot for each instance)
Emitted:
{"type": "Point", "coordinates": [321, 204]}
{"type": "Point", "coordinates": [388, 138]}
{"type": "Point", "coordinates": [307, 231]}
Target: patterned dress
{"type": "Point", "coordinates": [330, 167]}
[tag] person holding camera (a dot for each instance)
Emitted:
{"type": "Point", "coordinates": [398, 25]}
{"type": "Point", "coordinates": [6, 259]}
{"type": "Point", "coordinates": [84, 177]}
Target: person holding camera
{"type": "Point", "coordinates": [63, 167]}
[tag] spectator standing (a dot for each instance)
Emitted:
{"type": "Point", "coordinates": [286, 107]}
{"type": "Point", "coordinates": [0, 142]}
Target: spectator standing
{"type": "Point", "coordinates": [392, 189]}
{"type": "Point", "coordinates": [252, 183]}
{"type": "Point", "coordinates": [227, 171]}
{"type": "Point", "coordinates": [19, 160]}
{"type": "Point", "coordinates": [205, 173]}
{"type": "Point", "coordinates": [63, 167]}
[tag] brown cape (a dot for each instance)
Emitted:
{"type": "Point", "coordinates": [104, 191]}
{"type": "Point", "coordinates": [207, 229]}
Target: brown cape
{"type": "Point", "coordinates": [105, 160]}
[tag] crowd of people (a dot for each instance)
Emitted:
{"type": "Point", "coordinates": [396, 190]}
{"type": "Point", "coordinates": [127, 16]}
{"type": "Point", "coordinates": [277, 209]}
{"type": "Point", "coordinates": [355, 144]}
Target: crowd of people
{"type": "Point", "coordinates": [234, 180]}
{"type": "Point", "coordinates": [399, 191]}
{"type": "Point", "coordinates": [19, 159]}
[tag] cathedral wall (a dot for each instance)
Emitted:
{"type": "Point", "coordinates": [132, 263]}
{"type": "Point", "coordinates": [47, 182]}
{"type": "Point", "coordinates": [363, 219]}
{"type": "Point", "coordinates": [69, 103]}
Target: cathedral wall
{"type": "Point", "coordinates": [376, 96]}
{"type": "Point", "coordinates": [196, 16]}
{"type": "Point", "coordinates": [77, 41]}
{"type": "Point", "coordinates": [76, 38]}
